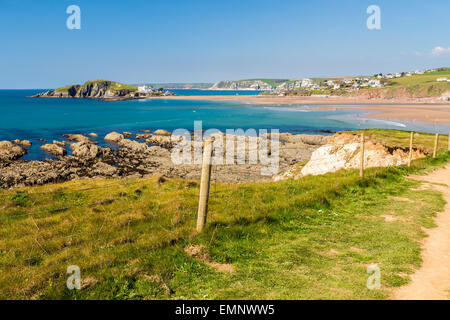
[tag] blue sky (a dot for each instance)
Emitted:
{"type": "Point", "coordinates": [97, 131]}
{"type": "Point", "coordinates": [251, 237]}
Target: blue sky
{"type": "Point", "coordinates": [205, 41]}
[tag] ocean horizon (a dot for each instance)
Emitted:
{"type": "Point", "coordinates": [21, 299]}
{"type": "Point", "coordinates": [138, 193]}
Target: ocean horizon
{"type": "Point", "coordinates": [49, 118]}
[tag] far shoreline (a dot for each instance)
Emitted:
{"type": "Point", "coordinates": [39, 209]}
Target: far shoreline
{"type": "Point", "coordinates": [422, 110]}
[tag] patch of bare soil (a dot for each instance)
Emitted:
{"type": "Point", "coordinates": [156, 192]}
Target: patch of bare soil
{"type": "Point", "coordinates": [201, 253]}
{"type": "Point", "coordinates": [432, 280]}
{"type": "Point", "coordinates": [400, 199]}
{"type": "Point", "coordinates": [389, 218]}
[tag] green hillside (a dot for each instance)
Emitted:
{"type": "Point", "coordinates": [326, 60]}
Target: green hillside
{"type": "Point", "coordinates": [415, 86]}
{"type": "Point", "coordinates": [109, 85]}
{"type": "Point", "coordinates": [419, 79]}
{"type": "Point", "coordinates": [422, 85]}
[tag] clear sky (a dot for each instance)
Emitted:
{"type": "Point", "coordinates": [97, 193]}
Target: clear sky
{"type": "Point", "coordinates": [209, 40]}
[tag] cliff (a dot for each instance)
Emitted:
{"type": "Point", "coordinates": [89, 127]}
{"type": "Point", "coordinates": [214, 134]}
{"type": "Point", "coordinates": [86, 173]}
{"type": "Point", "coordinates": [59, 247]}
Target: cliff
{"type": "Point", "coordinates": [260, 84]}
{"type": "Point", "coordinates": [242, 85]}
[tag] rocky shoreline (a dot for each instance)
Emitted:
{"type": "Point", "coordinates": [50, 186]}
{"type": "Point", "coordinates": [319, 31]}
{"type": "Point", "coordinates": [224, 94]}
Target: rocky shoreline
{"type": "Point", "coordinates": [150, 153]}
{"type": "Point", "coordinates": [146, 155]}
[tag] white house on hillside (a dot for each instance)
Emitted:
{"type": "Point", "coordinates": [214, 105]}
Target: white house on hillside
{"type": "Point", "coordinates": [145, 88]}
{"type": "Point", "coordinates": [374, 83]}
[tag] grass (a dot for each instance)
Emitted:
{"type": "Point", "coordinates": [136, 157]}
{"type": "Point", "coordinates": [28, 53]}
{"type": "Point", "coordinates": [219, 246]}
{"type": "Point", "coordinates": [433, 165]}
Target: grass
{"type": "Point", "coordinates": [392, 137]}
{"type": "Point", "coordinates": [67, 88]}
{"type": "Point", "coordinates": [306, 239]}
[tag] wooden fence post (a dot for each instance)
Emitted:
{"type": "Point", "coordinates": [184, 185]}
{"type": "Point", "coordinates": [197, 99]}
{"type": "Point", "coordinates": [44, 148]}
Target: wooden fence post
{"type": "Point", "coordinates": [410, 148]}
{"type": "Point", "coordinates": [204, 184]}
{"type": "Point", "coordinates": [436, 140]}
{"type": "Point", "coordinates": [361, 170]}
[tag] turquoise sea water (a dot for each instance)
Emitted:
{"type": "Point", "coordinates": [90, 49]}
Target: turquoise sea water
{"type": "Point", "coordinates": [47, 118]}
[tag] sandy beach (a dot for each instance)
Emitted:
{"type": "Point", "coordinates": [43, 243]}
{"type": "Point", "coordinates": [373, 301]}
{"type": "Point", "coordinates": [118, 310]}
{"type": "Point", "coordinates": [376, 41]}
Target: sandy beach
{"type": "Point", "coordinates": [421, 110]}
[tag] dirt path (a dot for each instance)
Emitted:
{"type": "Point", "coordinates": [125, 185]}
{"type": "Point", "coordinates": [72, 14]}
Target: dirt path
{"type": "Point", "coordinates": [432, 280]}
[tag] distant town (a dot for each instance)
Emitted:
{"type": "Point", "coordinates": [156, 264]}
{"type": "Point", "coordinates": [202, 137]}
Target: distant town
{"type": "Point", "coordinates": [306, 85]}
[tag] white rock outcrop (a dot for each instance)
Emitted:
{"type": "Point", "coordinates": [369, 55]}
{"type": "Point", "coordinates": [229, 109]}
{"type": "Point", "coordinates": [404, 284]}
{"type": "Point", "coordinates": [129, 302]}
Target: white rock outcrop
{"type": "Point", "coordinates": [343, 151]}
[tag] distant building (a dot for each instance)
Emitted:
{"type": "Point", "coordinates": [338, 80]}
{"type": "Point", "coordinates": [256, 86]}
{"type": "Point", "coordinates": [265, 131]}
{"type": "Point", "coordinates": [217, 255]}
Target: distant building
{"type": "Point", "coordinates": [145, 88]}
{"type": "Point", "coordinates": [306, 83]}
{"type": "Point", "coordinates": [375, 83]}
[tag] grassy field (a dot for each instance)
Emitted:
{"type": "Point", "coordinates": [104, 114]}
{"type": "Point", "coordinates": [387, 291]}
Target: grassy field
{"type": "Point", "coordinates": [418, 85]}
{"type": "Point", "coordinates": [392, 137]}
{"type": "Point", "coordinates": [427, 78]}
{"type": "Point", "coordinates": [135, 239]}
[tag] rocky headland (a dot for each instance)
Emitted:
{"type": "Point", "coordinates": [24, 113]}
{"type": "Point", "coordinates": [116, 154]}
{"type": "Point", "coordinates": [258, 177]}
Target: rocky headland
{"type": "Point", "coordinates": [102, 89]}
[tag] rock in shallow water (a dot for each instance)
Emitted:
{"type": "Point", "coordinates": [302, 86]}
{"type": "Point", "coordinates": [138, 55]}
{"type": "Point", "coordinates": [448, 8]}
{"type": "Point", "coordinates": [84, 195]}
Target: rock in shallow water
{"type": "Point", "coordinates": [54, 149]}
{"type": "Point", "coordinates": [10, 151]}
{"type": "Point", "coordinates": [114, 137]}
{"type": "Point", "coordinates": [162, 132]}
{"type": "Point", "coordinates": [78, 138]}
{"type": "Point", "coordinates": [25, 143]}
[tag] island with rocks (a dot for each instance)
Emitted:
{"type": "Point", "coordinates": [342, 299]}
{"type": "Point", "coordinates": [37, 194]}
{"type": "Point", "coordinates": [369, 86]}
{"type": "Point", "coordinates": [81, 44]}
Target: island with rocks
{"type": "Point", "coordinates": [105, 90]}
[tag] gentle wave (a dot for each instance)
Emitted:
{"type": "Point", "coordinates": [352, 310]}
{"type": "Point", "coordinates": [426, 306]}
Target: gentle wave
{"type": "Point", "coordinates": [292, 109]}
{"type": "Point", "coordinates": [392, 123]}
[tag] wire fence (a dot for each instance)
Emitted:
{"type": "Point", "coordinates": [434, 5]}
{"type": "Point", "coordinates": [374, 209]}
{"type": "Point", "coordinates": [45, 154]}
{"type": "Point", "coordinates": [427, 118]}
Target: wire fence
{"type": "Point", "coordinates": [107, 225]}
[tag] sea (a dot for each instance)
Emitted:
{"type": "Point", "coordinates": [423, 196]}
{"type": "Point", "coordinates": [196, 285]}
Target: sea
{"type": "Point", "coordinates": [22, 117]}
